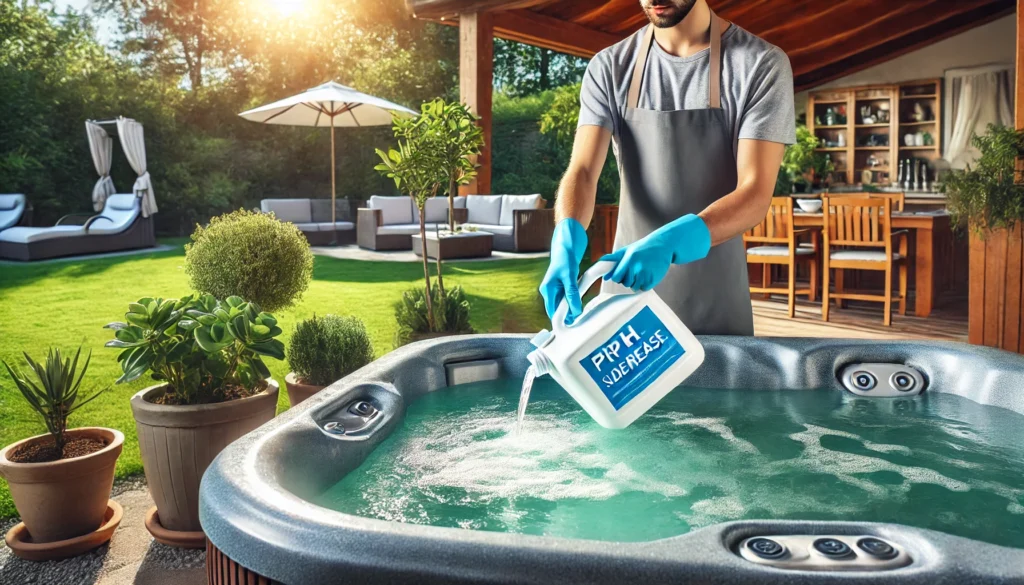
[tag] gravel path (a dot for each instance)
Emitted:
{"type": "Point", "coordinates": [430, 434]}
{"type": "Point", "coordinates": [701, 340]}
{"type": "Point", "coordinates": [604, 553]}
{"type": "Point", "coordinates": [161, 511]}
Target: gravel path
{"type": "Point", "coordinates": [131, 557]}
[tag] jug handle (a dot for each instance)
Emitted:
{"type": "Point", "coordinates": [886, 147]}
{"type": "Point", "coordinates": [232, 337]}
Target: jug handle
{"type": "Point", "coordinates": [592, 275]}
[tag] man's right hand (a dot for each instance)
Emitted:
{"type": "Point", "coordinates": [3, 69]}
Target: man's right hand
{"type": "Point", "coordinates": [568, 244]}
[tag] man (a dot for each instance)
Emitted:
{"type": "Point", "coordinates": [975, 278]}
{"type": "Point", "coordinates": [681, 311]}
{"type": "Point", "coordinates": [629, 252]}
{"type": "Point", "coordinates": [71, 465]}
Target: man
{"type": "Point", "coordinates": [700, 111]}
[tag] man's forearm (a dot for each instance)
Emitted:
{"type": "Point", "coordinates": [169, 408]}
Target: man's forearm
{"type": "Point", "coordinates": [736, 213]}
{"type": "Point", "coordinates": [576, 196]}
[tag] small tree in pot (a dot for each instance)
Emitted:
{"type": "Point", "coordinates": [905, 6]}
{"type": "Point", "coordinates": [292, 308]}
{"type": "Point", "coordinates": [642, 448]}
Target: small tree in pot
{"type": "Point", "coordinates": [61, 481]}
{"type": "Point", "coordinates": [214, 388]}
{"type": "Point", "coordinates": [324, 350]}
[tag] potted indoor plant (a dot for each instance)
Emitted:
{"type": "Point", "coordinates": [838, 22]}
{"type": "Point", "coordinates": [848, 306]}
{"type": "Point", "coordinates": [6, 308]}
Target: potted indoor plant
{"type": "Point", "coordinates": [985, 197]}
{"type": "Point", "coordinates": [324, 350]}
{"type": "Point", "coordinates": [802, 166]}
{"type": "Point", "coordinates": [213, 387]}
{"type": "Point", "coordinates": [61, 481]}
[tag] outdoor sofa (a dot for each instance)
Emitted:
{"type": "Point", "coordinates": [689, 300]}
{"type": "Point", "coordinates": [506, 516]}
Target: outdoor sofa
{"type": "Point", "coordinates": [14, 211]}
{"type": "Point", "coordinates": [120, 226]}
{"type": "Point", "coordinates": [313, 218]}
{"type": "Point", "coordinates": [519, 223]}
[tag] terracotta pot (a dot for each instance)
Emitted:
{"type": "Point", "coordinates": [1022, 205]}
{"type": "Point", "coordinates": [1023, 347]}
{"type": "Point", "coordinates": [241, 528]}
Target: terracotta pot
{"type": "Point", "coordinates": [297, 391]}
{"type": "Point", "coordinates": [64, 499]}
{"type": "Point", "coordinates": [178, 443]}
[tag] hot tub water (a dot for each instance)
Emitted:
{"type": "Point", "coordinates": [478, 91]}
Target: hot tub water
{"type": "Point", "coordinates": [698, 458]}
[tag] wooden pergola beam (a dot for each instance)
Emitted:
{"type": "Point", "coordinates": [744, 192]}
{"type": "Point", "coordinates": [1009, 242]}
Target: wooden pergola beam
{"type": "Point", "coordinates": [536, 29]}
{"type": "Point", "coordinates": [451, 8]}
{"type": "Point", "coordinates": [476, 80]}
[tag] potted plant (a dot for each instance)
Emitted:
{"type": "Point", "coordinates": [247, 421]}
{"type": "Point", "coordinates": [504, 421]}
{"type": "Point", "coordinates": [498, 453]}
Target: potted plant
{"type": "Point", "coordinates": [324, 350]}
{"type": "Point", "coordinates": [985, 197]}
{"type": "Point", "coordinates": [213, 388]}
{"type": "Point", "coordinates": [459, 139]}
{"type": "Point", "coordinates": [802, 166]}
{"type": "Point", "coordinates": [60, 481]}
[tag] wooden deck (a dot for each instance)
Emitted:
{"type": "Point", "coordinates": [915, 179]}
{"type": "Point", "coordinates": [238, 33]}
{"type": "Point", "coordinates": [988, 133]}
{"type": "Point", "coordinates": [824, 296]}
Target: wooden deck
{"type": "Point", "coordinates": [858, 321]}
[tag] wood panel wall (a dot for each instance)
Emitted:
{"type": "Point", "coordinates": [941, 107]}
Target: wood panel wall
{"type": "Point", "coordinates": [997, 302]}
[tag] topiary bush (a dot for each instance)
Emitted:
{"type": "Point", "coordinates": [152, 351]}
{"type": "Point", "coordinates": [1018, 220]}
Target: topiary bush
{"type": "Point", "coordinates": [326, 349]}
{"type": "Point", "coordinates": [251, 255]}
{"type": "Point", "coordinates": [451, 312]}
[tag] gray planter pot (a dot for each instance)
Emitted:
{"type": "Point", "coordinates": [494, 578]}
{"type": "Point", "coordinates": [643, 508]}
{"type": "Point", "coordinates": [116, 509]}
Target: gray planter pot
{"type": "Point", "coordinates": [178, 443]}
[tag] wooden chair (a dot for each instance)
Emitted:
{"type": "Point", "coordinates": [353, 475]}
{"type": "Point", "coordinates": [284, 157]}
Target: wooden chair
{"type": "Point", "coordinates": [899, 200]}
{"type": "Point", "coordinates": [775, 243]}
{"type": "Point", "coordinates": [858, 237]}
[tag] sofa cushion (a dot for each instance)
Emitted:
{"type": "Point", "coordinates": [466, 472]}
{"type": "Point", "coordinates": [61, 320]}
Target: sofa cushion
{"type": "Point", "coordinates": [293, 210]}
{"type": "Point", "coordinates": [501, 230]}
{"type": "Point", "coordinates": [341, 226]}
{"type": "Point", "coordinates": [321, 210]}
{"type": "Point", "coordinates": [511, 203]}
{"type": "Point", "coordinates": [460, 202]}
{"type": "Point", "coordinates": [308, 227]}
{"type": "Point", "coordinates": [403, 229]}
{"type": "Point", "coordinates": [393, 210]}
{"type": "Point", "coordinates": [484, 209]}
{"type": "Point", "coordinates": [437, 210]}
{"type": "Point", "coordinates": [27, 235]}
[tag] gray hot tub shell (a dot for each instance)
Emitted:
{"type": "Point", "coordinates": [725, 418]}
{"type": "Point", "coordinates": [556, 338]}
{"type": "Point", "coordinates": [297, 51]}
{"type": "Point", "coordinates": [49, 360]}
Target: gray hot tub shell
{"type": "Point", "coordinates": [254, 509]}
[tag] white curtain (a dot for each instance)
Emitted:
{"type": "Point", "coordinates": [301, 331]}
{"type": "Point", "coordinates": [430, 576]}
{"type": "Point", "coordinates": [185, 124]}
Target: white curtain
{"type": "Point", "coordinates": [976, 97]}
{"type": "Point", "coordinates": [134, 144]}
{"type": "Point", "coordinates": [101, 145]}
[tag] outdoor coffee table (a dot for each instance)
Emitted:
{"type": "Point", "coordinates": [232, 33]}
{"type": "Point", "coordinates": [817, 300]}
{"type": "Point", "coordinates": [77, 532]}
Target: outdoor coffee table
{"type": "Point", "coordinates": [451, 246]}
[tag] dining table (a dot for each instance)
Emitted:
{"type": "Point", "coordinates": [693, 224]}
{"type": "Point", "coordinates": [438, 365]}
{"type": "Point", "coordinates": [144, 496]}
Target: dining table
{"type": "Point", "coordinates": [924, 226]}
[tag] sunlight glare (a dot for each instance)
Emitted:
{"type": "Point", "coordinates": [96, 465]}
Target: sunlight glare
{"type": "Point", "coordinates": [287, 8]}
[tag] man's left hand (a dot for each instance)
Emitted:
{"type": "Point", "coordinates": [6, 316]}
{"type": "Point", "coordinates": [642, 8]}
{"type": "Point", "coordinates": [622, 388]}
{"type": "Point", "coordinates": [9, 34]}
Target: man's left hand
{"type": "Point", "coordinates": [643, 264]}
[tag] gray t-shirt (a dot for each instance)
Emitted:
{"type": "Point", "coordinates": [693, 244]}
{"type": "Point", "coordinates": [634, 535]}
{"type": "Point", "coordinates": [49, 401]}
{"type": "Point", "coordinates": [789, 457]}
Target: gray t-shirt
{"type": "Point", "coordinates": [757, 85]}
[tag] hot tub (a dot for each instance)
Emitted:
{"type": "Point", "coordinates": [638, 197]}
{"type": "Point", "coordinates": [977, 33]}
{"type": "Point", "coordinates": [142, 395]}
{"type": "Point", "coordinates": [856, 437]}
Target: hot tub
{"type": "Point", "coordinates": [257, 499]}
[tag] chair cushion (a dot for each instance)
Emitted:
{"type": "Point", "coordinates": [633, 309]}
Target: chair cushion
{"type": "Point", "coordinates": [393, 210]}
{"type": "Point", "coordinates": [501, 230]}
{"type": "Point", "coordinates": [460, 202]}
{"type": "Point", "coordinates": [511, 203]}
{"type": "Point", "coordinates": [27, 235]}
{"type": "Point", "coordinates": [484, 209]}
{"type": "Point", "coordinates": [777, 251]}
{"type": "Point", "coordinates": [863, 255]}
{"type": "Point", "coordinates": [293, 210]}
{"type": "Point", "coordinates": [437, 210]}
{"type": "Point", "coordinates": [321, 210]}
{"type": "Point", "coordinates": [341, 226]}
{"type": "Point", "coordinates": [308, 227]}
{"type": "Point", "coordinates": [403, 229]}
{"type": "Point", "coordinates": [10, 202]}
{"type": "Point", "coordinates": [119, 211]}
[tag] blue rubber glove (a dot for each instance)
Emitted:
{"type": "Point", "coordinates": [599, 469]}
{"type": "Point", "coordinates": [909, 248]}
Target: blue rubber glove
{"type": "Point", "coordinates": [568, 244]}
{"type": "Point", "coordinates": [644, 263]}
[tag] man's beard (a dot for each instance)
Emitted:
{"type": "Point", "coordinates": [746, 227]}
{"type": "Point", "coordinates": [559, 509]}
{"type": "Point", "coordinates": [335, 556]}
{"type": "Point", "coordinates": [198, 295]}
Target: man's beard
{"type": "Point", "coordinates": [678, 9]}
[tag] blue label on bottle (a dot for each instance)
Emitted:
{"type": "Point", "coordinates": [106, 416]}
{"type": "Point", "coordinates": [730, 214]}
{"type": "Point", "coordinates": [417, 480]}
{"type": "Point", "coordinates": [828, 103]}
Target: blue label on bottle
{"type": "Point", "coordinates": [629, 361]}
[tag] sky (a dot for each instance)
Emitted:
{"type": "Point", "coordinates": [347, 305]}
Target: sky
{"type": "Point", "coordinates": [105, 28]}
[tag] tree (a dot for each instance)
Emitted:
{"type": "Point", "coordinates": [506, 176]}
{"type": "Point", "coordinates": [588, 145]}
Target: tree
{"type": "Point", "coordinates": [458, 138]}
{"type": "Point", "coordinates": [417, 170]}
{"type": "Point", "coordinates": [521, 70]}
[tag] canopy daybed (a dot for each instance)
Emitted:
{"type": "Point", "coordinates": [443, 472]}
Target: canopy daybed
{"type": "Point", "coordinates": [124, 221]}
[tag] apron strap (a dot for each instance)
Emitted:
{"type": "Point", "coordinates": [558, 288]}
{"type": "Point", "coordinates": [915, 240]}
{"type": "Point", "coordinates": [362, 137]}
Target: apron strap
{"type": "Point", "coordinates": [714, 71]}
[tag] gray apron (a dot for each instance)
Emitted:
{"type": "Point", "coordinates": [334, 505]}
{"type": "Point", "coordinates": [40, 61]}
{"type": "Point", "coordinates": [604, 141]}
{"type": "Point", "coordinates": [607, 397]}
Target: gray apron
{"type": "Point", "coordinates": [672, 164]}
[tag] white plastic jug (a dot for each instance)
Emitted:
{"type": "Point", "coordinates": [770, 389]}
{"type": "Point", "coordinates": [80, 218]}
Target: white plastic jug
{"type": "Point", "coordinates": [621, 356]}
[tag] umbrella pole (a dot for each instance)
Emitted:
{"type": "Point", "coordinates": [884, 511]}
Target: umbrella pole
{"type": "Point", "coordinates": [334, 219]}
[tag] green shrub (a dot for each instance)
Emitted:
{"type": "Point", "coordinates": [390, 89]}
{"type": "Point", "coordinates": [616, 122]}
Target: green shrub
{"type": "Point", "coordinates": [985, 195]}
{"type": "Point", "coordinates": [326, 349]}
{"type": "Point", "coordinates": [250, 255]}
{"type": "Point", "coordinates": [451, 312]}
{"type": "Point", "coordinates": [205, 350]}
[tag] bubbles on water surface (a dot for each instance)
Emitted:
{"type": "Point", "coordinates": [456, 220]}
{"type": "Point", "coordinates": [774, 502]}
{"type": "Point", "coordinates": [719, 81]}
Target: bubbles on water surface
{"type": "Point", "coordinates": [699, 458]}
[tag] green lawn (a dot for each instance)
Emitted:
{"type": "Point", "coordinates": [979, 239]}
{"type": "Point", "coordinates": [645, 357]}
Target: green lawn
{"type": "Point", "coordinates": [67, 303]}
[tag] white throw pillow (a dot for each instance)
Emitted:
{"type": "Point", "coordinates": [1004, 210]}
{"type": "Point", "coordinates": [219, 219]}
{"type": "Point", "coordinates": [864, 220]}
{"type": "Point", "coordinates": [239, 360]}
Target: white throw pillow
{"type": "Point", "coordinates": [484, 209]}
{"type": "Point", "coordinates": [510, 203]}
{"type": "Point", "coordinates": [437, 211]}
{"type": "Point", "coordinates": [293, 210]}
{"type": "Point", "coordinates": [393, 209]}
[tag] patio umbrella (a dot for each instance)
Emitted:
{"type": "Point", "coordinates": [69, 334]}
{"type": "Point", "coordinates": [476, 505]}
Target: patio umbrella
{"type": "Point", "coordinates": [330, 104]}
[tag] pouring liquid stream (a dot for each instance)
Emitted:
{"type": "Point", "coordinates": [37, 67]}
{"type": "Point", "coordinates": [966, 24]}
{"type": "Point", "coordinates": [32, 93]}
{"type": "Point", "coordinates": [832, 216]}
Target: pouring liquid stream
{"type": "Point", "coordinates": [524, 398]}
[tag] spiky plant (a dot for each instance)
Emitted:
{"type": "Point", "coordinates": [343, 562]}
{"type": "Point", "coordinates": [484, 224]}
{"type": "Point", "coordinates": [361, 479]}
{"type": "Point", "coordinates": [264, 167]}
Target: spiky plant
{"type": "Point", "coordinates": [54, 393]}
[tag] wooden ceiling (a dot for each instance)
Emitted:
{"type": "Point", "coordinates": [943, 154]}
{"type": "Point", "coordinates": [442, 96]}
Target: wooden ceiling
{"type": "Point", "coordinates": [825, 39]}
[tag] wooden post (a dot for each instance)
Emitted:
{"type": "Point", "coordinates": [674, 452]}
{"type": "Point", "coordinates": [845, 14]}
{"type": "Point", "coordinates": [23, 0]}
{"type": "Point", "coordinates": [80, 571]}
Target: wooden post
{"type": "Point", "coordinates": [476, 75]}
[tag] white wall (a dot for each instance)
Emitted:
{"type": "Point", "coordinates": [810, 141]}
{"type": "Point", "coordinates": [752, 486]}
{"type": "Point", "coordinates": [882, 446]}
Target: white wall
{"type": "Point", "coordinates": [994, 42]}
